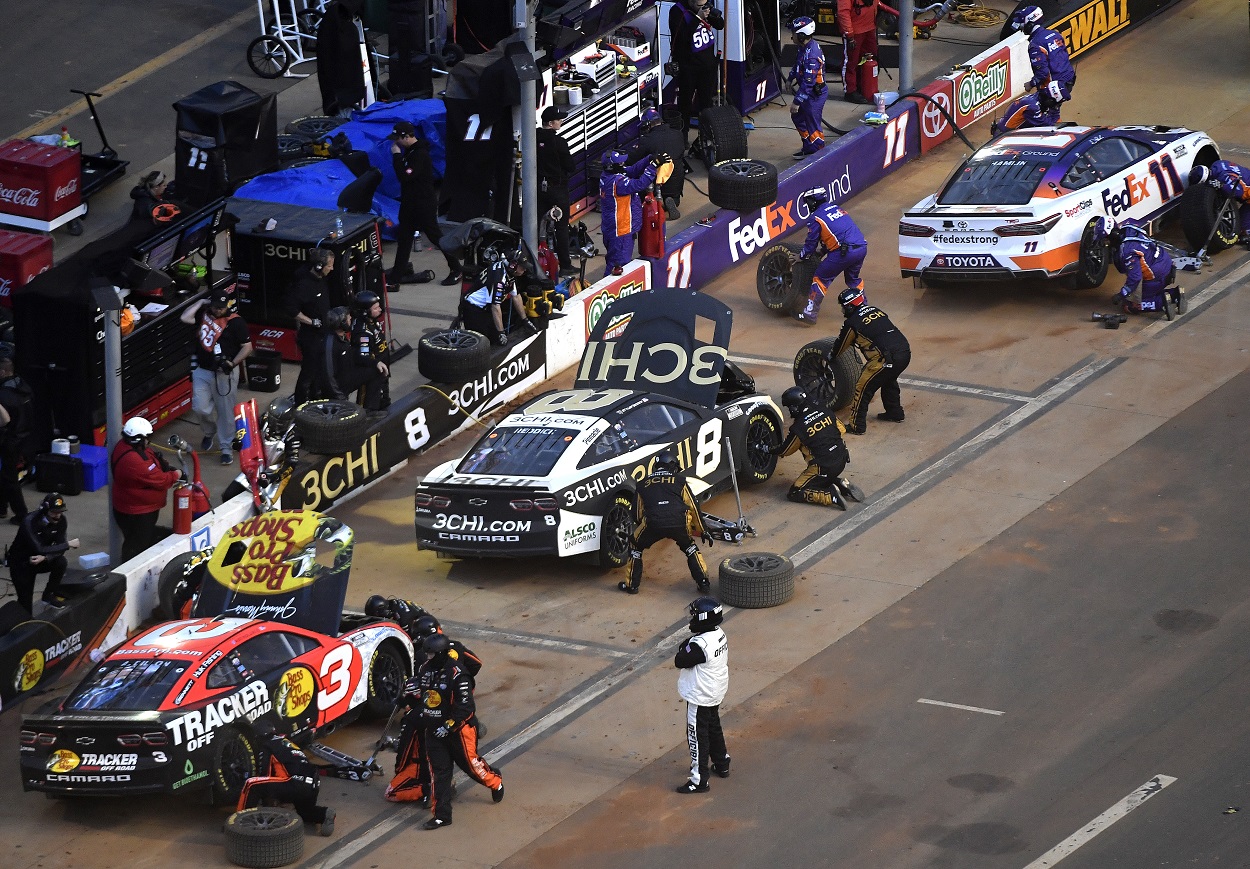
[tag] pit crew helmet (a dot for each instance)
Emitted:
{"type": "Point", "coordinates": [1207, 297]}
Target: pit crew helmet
{"type": "Point", "coordinates": [424, 627]}
{"type": "Point", "coordinates": [376, 607]}
{"type": "Point", "coordinates": [1026, 18]}
{"type": "Point", "coordinates": [614, 161]}
{"type": "Point", "coordinates": [852, 298]}
{"type": "Point", "coordinates": [437, 645]}
{"type": "Point", "coordinates": [1199, 175]}
{"type": "Point", "coordinates": [666, 460]}
{"type": "Point", "coordinates": [795, 400]}
{"type": "Point", "coordinates": [651, 118]}
{"type": "Point", "coordinates": [706, 613]}
{"type": "Point", "coordinates": [365, 299]}
{"type": "Point", "coordinates": [803, 26]}
{"type": "Point", "coordinates": [815, 197]}
{"type": "Point", "coordinates": [136, 430]}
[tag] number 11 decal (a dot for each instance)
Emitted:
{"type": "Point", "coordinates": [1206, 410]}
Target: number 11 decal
{"type": "Point", "coordinates": [679, 266]}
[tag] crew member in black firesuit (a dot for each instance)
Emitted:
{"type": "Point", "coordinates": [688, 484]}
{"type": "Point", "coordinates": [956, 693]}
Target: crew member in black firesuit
{"type": "Point", "coordinates": [703, 680]}
{"type": "Point", "coordinates": [344, 371]}
{"type": "Point", "coordinates": [369, 339]}
{"type": "Point", "coordinates": [402, 612]}
{"type": "Point", "coordinates": [660, 138]}
{"type": "Point", "coordinates": [427, 626]}
{"type": "Point", "coordinates": [308, 302]}
{"type": "Point", "coordinates": [292, 778]}
{"type": "Point", "coordinates": [40, 547]}
{"type": "Point", "coordinates": [450, 728]}
{"type": "Point", "coordinates": [555, 165]}
{"type": "Point", "coordinates": [886, 356]}
{"type": "Point", "coordinates": [482, 309]}
{"type": "Point", "coordinates": [819, 435]}
{"type": "Point", "coordinates": [691, 25]}
{"type": "Point", "coordinates": [418, 207]}
{"type": "Point", "coordinates": [666, 509]}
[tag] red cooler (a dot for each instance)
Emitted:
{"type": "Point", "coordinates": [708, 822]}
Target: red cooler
{"type": "Point", "coordinates": [22, 256]}
{"type": "Point", "coordinates": [39, 182]}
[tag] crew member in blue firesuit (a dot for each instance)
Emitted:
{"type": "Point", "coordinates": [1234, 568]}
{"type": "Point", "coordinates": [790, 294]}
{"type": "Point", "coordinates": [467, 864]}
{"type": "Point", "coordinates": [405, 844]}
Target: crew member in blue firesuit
{"type": "Point", "coordinates": [810, 92]}
{"type": "Point", "coordinates": [620, 205]}
{"type": "Point", "coordinates": [1024, 112]}
{"type": "Point", "coordinates": [1053, 75]}
{"type": "Point", "coordinates": [692, 25]}
{"type": "Point", "coordinates": [1146, 266]}
{"type": "Point", "coordinates": [830, 229]}
{"type": "Point", "coordinates": [1233, 182]}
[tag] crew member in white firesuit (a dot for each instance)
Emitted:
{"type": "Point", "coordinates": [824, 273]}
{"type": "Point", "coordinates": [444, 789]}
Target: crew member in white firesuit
{"type": "Point", "coordinates": [1053, 75]}
{"type": "Point", "coordinates": [369, 339]}
{"type": "Point", "coordinates": [818, 434]}
{"type": "Point", "coordinates": [665, 509]}
{"type": "Point", "coordinates": [1233, 181]}
{"type": "Point", "coordinates": [704, 678]}
{"type": "Point", "coordinates": [449, 713]}
{"type": "Point", "coordinates": [886, 356]}
{"type": "Point", "coordinates": [292, 778]}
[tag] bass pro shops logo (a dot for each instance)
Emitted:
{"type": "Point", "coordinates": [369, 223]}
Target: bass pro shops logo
{"type": "Point", "coordinates": [979, 91]}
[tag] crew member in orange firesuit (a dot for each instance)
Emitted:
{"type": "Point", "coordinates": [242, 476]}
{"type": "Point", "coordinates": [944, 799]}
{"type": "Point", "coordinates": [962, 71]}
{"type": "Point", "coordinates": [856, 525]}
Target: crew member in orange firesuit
{"type": "Point", "coordinates": [666, 509]}
{"type": "Point", "coordinates": [449, 713]}
{"type": "Point", "coordinates": [819, 435]}
{"type": "Point", "coordinates": [292, 778]}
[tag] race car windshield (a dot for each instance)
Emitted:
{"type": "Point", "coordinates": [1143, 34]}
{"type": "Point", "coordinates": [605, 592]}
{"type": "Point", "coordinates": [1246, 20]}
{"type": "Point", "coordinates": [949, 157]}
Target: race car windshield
{"type": "Point", "coordinates": [995, 179]}
{"type": "Point", "coordinates": [127, 686]}
{"type": "Point", "coordinates": [518, 451]}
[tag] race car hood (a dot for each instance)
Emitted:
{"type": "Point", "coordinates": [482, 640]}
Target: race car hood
{"type": "Point", "coordinates": [650, 341]}
{"type": "Point", "coordinates": [289, 566]}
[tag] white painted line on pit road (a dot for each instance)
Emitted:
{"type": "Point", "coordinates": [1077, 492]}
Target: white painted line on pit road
{"type": "Point", "coordinates": [1102, 822]}
{"type": "Point", "coordinates": [960, 706]}
{"type": "Point", "coordinates": [822, 545]}
{"type": "Point", "coordinates": [540, 642]}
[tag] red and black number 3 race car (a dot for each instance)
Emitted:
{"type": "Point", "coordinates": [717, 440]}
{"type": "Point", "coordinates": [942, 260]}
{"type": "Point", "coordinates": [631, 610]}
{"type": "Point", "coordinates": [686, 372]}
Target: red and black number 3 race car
{"type": "Point", "coordinates": [171, 710]}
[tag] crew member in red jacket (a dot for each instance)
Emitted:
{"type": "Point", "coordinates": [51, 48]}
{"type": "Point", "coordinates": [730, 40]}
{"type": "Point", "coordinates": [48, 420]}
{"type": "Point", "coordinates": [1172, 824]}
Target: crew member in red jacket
{"type": "Point", "coordinates": [857, 19]}
{"type": "Point", "coordinates": [141, 479]}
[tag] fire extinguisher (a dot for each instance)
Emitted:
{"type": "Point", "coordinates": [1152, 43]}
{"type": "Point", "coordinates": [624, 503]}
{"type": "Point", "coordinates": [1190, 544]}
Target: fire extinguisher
{"type": "Point", "coordinates": [182, 508]}
{"type": "Point", "coordinates": [868, 78]}
{"type": "Point", "coordinates": [651, 236]}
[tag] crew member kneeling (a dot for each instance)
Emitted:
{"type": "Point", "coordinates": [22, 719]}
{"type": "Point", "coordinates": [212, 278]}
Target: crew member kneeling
{"type": "Point", "coordinates": [666, 510]}
{"type": "Point", "coordinates": [1233, 182]}
{"type": "Point", "coordinates": [819, 435]}
{"type": "Point", "coordinates": [292, 778]}
{"type": "Point", "coordinates": [482, 309]}
{"type": "Point", "coordinates": [1147, 268]}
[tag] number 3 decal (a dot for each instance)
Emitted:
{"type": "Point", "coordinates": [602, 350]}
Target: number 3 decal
{"type": "Point", "coordinates": [336, 676]}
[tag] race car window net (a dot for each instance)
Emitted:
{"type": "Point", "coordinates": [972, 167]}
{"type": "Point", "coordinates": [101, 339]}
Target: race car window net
{"type": "Point", "coordinates": [521, 451]}
{"type": "Point", "coordinates": [654, 421]}
{"type": "Point", "coordinates": [996, 179]}
{"type": "Point", "coordinates": [127, 686]}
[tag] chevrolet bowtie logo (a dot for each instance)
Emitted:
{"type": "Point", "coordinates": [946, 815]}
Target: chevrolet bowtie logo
{"type": "Point", "coordinates": [478, 502]}
{"type": "Point", "coordinates": [85, 740]}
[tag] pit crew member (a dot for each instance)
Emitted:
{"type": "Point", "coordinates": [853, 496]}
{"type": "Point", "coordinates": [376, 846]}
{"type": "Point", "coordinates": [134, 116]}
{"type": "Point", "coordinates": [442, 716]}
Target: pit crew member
{"type": "Point", "coordinates": [807, 77]}
{"type": "Point", "coordinates": [886, 356]}
{"type": "Point", "coordinates": [703, 680]}
{"type": "Point", "coordinates": [620, 205]}
{"type": "Point", "coordinates": [292, 778]}
{"type": "Point", "coordinates": [1233, 181]}
{"type": "Point", "coordinates": [830, 229]}
{"type": "Point", "coordinates": [1053, 75]}
{"type": "Point", "coordinates": [1146, 266]}
{"type": "Point", "coordinates": [691, 24]}
{"type": "Point", "coordinates": [40, 547]}
{"type": "Point", "coordinates": [369, 339]}
{"type": "Point", "coordinates": [482, 309]}
{"type": "Point", "coordinates": [818, 435]}
{"type": "Point", "coordinates": [665, 509]}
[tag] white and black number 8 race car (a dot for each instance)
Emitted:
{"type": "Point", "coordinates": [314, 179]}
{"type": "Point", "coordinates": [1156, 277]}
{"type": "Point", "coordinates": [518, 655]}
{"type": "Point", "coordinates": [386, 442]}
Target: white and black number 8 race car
{"type": "Point", "coordinates": [557, 476]}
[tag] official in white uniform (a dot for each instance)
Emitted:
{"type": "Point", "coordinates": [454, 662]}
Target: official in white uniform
{"type": "Point", "coordinates": [703, 661]}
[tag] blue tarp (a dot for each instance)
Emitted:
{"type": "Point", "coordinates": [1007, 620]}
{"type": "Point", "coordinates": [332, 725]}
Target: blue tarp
{"type": "Point", "coordinates": [318, 185]}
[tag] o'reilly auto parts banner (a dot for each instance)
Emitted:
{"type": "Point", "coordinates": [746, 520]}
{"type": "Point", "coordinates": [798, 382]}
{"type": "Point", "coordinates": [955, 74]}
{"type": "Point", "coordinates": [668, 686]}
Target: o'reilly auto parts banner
{"type": "Point", "coordinates": [419, 420]}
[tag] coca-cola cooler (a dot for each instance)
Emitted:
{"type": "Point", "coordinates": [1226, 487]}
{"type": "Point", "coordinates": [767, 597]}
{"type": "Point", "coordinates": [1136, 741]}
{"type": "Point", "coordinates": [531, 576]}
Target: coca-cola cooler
{"type": "Point", "coordinates": [266, 262]}
{"type": "Point", "coordinates": [39, 185]}
{"type": "Point", "coordinates": [23, 255]}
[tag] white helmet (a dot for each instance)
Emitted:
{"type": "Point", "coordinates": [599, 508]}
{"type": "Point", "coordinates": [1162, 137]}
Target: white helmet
{"type": "Point", "coordinates": [135, 428]}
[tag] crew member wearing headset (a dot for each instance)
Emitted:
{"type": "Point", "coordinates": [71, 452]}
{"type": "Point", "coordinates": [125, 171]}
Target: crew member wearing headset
{"type": "Point", "coordinates": [40, 547]}
{"type": "Point", "coordinates": [308, 302]}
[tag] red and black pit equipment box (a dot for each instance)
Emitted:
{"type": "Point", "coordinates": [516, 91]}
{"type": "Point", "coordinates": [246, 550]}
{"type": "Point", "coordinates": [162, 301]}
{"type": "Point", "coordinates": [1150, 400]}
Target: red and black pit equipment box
{"type": "Point", "coordinates": [39, 182]}
{"type": "Point", "coordinates": [23, 255]}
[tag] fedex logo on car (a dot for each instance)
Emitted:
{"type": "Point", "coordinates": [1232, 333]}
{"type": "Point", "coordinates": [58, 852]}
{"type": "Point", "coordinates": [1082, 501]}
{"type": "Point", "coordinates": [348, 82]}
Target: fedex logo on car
{"type": "Point", "coordinates": [1134, 191]}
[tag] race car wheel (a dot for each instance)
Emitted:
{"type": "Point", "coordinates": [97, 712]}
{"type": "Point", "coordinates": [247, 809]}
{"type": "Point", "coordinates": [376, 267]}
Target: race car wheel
{"type": "Point", "coordinates": [234, 762]}
{"type": "Point", "coordinates": [829, 382]}
{"type": "Point", "coordinates": [616, 533]}
{"type": "Point", "coordinates": [176, 586]}
{"type": "Point", "coordinates": [292, 146]}
{"type": "Point", "coordinates": [775, 278]}
{"type": "Point", "coordinates": [330, 427]}
{"type": "Point", "coordinates": [1206, 214]}
{"type": "Point", "coordinates": [762, 436]}
{"type": "Point", "coordinates": [268, 56]}
{"type": "Point", "coordinates": [754, 580]}
{"type": "Point", "coordinates": [264, 837]}
{"type": "Point", "coordinates": [453, 355]}
{"type": "Point", "coordinates": [721, 135]}
{"type": "Point", "coordinates": [387, 673]}
{"type": "Point", "coordinates": [742, 185]}
{"type": "Point", "coordinates": [314, 126]}
{"type": "Point", "coordinates": [1093, 260]}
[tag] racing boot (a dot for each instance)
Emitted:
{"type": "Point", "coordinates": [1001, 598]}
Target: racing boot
{"type": "Point", "coordinates": [631, 585]}
{"type": "Point", "coordinates": [811, 310]}
{"type": "Point", "coordinates": [850, 490]}
{"type": "Point", "coordinates": [1178, 299]}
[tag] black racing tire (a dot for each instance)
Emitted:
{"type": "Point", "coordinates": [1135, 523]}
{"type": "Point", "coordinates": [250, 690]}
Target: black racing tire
{"type": "Point", "coordinates": [387, 673]}
{"type": "Point", "coordinates": [452, 54]}
{"type": "Point", "coordinates": [1093, 260]}
{"type": "Point", "coordinates": [828, 382]}
{"type": "Point", "coordinates": [453, 355]}
{"type": "Point", "coordinates": [754, 580]}
{"type": "Point", "coordinates": [176, 585]}
{"type": "Point", "coordinates": [774, 277]}
{"type": "Point", "coordinates": [264, 837]}
{"type": "Point", "coordinates": [1203, 208]}
{"type": "Point", "coordinates": [721, 135]}
{"type": "Point", "coordinates": [268, 56]}
{"type": "Point", "coordinates": [233, 490]}
{"type": "Point", "coordinates": [617, 531]}
{"type": "Point", "coordinates": [314, 126]}
{"type": "Point", "coordinates": [292, 146]}
{"type": "Point", "coordinates": [330, 427]}
{"type": "Point", "coordinates": [234, 761]}
{"type": "Point", "coordinates": [742, 184]}
{"type": "Point", "coordinates": [762, 435]}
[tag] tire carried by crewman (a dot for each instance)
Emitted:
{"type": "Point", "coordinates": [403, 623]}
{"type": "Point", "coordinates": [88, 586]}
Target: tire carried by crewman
{"type": "Point", "coordinates": [741, 184]}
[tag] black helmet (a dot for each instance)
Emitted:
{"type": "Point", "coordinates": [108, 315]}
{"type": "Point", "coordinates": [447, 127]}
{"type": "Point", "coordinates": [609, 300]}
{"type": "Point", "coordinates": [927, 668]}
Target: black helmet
{"type": "Point", "coordinates": [425, 626]}
{"type": "Point", "coordinates": [705, 613]}
{"type": "Point", "coordinates": [365, 299]}
{"type": "Point", "coordinates": [852, 298]}
{"type": "Point", "coordinates": [436, 645]}
{"type": "Point", "coordinates": [376, 606]}
{"type": "Point", "coordinates": [52, 501]}
{"type": "Point", "coordinates": [795, 400]}
{"type": "Point", "coordinates": [666, 460]}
